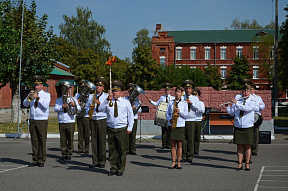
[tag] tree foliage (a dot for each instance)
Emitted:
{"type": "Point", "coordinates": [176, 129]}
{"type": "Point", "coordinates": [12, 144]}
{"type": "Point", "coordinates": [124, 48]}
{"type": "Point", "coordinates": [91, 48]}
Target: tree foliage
{"type": "Point", "coordinates": [283, 50]}
{"type": "Point", "coordinates": [213, 77]}
{"type": "Point", "coordinates": [38, 46]}
{"type": "Point", "coordinates": [240, 70]}
{"type": "Point", "coordinates": [247, 24]}
{"type": "Point", "coordinates": [84, 32]}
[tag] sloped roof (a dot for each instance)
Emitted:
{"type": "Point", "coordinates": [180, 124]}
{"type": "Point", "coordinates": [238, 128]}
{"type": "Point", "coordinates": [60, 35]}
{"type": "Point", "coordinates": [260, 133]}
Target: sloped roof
{"type": "Point", "coordinates": [58, 71]}
{"type": "Point", "coordinates": [211, 36]}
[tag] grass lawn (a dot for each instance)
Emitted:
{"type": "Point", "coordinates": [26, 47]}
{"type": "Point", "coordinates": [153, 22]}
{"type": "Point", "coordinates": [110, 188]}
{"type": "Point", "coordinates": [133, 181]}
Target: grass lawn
{"type": "Point", "coordinates": [53, 127]}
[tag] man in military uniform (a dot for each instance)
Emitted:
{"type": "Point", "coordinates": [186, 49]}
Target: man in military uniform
{"type": "Point", "coordinates": [98, 125]}
{"type": "Point", "coordinates": [39, 110]}
{"type": "Point", "coordinates": [83, 123]}
{"type": "Point", "coordinates": [131, 138]}
{"type": "Point", "coordinates": [165, 129]}
{"type": "Point", "coordinates": [120, 120]}
{"type": "Point", "coordinates": [190, 124]}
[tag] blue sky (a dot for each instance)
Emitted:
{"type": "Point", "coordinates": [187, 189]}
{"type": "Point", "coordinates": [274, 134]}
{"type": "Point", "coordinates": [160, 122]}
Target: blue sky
{"type": "Point", "coordinates": [124, 18]}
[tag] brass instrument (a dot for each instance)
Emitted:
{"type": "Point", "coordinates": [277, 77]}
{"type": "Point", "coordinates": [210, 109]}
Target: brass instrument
{"type": "Point", "coordinates": [65, 86]}
{"type": "Point", "coordinates": [174, 116]}
{"type": "Point", "coordinates": [232, 101]}
{"type": "Point", "coordinates": [92, 107]}
{"type": "Point", "coordinates": [88, 87]}
{"type": "Point", "coordinates": [31, 96]}
{"type": "Point", "coordinates": [133, 97]}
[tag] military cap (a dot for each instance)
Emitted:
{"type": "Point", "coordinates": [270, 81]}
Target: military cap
{"type": "Point", "coordinates": [101, 81]}
{"type": "Point", "coordinates": [188, 83]}
{"type": "Point", "coordinates": [196, 91]}
{"type": "Point", "coordinates": [245, 81]}
{"type": "Point", "coordinates": [178, 88]}
{"type": "Point", "coordinates": [167, 86]}
{"type": "Point", "coordinates": [65, 83]}
{"type": "Point", "coordinates": [81, 82]}
{"type": "Point", "coordinates": [117, 85]}
{"type": "Point", "coordinates": [37, 79]}
{"type": "Point", "coordinates": [129, 86]}
{"type": "Point", "coordinates": [253, 86]}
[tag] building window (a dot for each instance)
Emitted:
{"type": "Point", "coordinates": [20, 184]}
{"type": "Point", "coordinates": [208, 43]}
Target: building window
{"type": "Point", "coordinates": [193, 53]}
{"type": "Point", "coordinates": [239, 51]}
{"type": "Point", "coordinates": [207, 53]}
{"type": "Point", "coordinates": [179, 53]}
{"type": "Point", "coordinates": [286, 94]}
{"type": "Point", "coordinates": [223, 71]}
{"type": "Point", "coordinates": [162, 50]}
{"type": "Point", "coordinates": [223, 52]}
{"type": "Point", "coordinates": [255, 72]}
{"type": "Point", "coordinates": [255, 52]}
{"type": "Point", "coordinates": [162, 61]}
{"type": "Point", "coordinates": [193, 67]}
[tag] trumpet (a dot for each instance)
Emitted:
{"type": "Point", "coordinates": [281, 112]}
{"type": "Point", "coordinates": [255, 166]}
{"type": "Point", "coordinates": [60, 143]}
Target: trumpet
{"type": "Point", "coordinates": [31, 96]}
{"type": "Point", "coordinates": [232, 101]}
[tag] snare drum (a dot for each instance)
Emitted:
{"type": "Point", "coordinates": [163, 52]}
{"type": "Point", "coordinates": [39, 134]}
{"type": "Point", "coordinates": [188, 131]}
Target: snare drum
{"type": "Point", "coordinates": [160, 117]}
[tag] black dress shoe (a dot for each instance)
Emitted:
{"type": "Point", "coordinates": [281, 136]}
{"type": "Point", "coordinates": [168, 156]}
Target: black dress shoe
{"type": "Point", "coordinates": [189, 160]}
{"type": "Point", "coordinates": [111, 173]}
{"type": "Point", "coordinates": [163, 147]}
{"type": "Point", "coordinates": [119, 173]}
{"type": "Point", "coordinates": [40, 164]}
{"type": "Point", "coordinates": [86, 153]}
{"type": "Point", "coordinates": [101, 166]}
{"type": "Point", "coordinates": [179, 168]}
{"type": "Point", "coordinates": [254, 154]}
{"type": "Point", "coordinates": [80, 152]}
{"type": "Point", "coordinates": [168, 147]}
{"type": "Point", "coordinates": [239, 168]}
{"type": "Point", "coordinates": [93, 165]}
{"type": "Point", "coordinates": [63, 158]}
{"type": "Point", "coordinates": [196, 153]}
{"type": "Point", "coordinates": [32, 165]}
{"type": "Point", "coordinates": [133, 153]}
{"type": "Point", "coordinates": [184, 160]}
{"type": "Point", "coordinates": [68, 158]}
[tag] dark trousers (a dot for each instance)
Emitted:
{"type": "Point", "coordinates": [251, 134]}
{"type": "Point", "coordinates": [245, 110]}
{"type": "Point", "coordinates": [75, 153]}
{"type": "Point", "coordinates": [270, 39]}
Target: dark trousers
{"type": "Point", "coordinates": [38, 132]}
{"type": "Point", "coordinates": [98, 141]}
{"type": "Point", "coordinates": [188, 142]}
{"type": "Point", "coordinates": [83, 134]}
{"type": "Point", "coordinates": [254, 148]}
{"type": "Point", "coordinates": [66, 138]}
{"type": "Point", "coordinates": [166, 131]}
{"type": "Point", "coordinates": [117, 149]}
{"type": "Point", "coordinates": [198, 127]}
{"type": "Point", "coordinates": [131, 138]}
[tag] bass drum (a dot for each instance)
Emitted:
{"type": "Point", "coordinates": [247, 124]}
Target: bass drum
{"type": "Point", "coordinates": [160, 117]}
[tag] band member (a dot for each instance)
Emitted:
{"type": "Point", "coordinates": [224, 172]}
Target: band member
{"type": "Point", "coordinates": [120, 120]}
{"type": "Point", "coordinates": [200, 109]}
{"type": "Point", "coordinates": [243, 110]}
{"type": "Point", "coordinates": [65, 107]}
{"type": "Point", "coordinates": [258, 121]}
{"type": "Point", "coordinates": [83, 123]}
{"type": "Point", "coordinates": [176, 114]}
{"type": "Point", "coordinates": [165, 130]}
{"type": "Point", "coordinates": [131, 138]}
{"type": "Point", "coordinates": [38, 101]}
{"type": "Point", "coordinates": [98, 125]}
{"type": "Point", "coordinates": [190, 124]}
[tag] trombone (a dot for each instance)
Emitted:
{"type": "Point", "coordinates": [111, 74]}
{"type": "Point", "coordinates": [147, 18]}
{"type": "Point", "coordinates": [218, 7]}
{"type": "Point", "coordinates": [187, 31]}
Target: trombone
{"type": "Point", "coordinates": [232, 101]}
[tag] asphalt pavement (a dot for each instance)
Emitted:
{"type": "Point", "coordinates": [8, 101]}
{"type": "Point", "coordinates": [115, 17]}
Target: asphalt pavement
{"type": "Point", "coordinates": [213, 169]}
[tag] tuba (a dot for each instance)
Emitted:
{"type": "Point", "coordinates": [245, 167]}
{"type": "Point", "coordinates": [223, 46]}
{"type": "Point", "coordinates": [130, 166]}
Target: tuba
{"type": "Point", "coordinates": [133, 97]}
{"type": "Point", "coordinates": [174, 117]}
{"type": "Point", "coordinates": [88, 87]}
{"type": "Point", "coordinates": [65, 86]}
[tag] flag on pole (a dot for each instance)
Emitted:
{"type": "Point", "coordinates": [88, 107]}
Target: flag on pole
{"type": "Point", "coordinates": [111, 61]}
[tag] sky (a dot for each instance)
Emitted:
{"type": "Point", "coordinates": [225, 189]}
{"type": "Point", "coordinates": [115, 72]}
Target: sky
{"type": "Point", "coordinates": [122, 19]}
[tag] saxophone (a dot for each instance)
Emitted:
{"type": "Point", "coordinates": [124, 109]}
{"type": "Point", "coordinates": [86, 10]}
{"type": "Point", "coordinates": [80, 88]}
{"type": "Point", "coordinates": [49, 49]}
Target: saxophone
{"type": "Point", "coordinates": [174, 116]}
{"type": "Point", "coordinates": [92, 107]}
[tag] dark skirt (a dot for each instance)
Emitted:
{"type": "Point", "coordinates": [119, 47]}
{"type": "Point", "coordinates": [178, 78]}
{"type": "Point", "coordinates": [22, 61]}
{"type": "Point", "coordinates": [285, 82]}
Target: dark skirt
{"type": "Point", "coordinates": [243, 136]}
{"type": "Point", "coordinates": [177, 134]}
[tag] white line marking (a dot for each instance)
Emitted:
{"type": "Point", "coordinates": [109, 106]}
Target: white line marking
{"type": "Point", "coordinates": [271, 187]}
{"type": "Point", "coordinates": [259, 178]}
{"type": "Point", "coordinates": [274, 175]}
{"type": "Point", "coordinates": [273, 181]}
{"type": "Point", "coordinates": [276, 170]}
{"type": "Point", "coordinates": [14, 168]}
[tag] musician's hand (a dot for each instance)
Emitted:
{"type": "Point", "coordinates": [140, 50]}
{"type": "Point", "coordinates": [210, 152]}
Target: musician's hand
{"type": "Point", "coordinates": [128, 132]}
{"type": "Point", "coordinates": [78, 101]}
{"type": "Point", "coordinates": [96, 101]}
{"type": "Point", "coordinates": [109, 97]}
{"type": "Point", "coordinates": [73, 104]}
{"type": "Point", "coordinates": [234, 101]}
{"type": "Point", "coordinates": [133, 107]}
{"type": "Point", "coordinates": [176, 110]}
{"type": "Point", "coordinates": [65, 105]}
{"type": "Point", "coordinates": [189, 102]}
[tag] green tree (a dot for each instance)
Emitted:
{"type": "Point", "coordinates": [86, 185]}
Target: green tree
{"type": "Point", "coordinates": [240, 70]}
{"type": "Point", "coordinates": [247, 24]}
{"type": "Point", "coordinates": [283, 50]}
{"type": "Point", "coordinates": [213, 77]}
{"type": "Point", "coordinates": [38, 47]}
{"type": "Point", "coordinates": [144, 67]}
{"type": "Point", "coordinates": [84, 32]}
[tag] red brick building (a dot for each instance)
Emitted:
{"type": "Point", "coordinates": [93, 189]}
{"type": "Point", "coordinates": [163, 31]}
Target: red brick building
{"type": "Point", "coordinates": [196, 48]}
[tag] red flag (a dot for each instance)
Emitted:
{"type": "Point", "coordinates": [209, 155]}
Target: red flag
{"type": "Point", "coordinates": [111, 61]}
